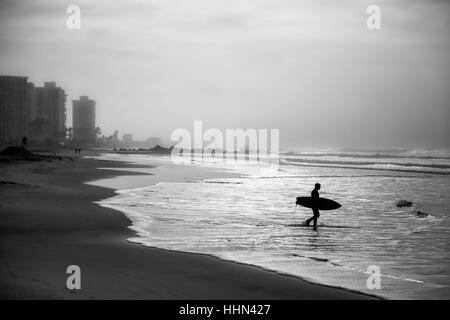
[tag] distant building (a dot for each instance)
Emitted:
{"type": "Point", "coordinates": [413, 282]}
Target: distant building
{"type": "Point", "coordinates": [48, 113]}
{"type": "Point", "coordinates": [84, 120]}
{"type": "Point", "coordinates": [153, 141]}
{"type": "Point", "coordinates": [148, 143]}
{"type": "Point", "coordinates": [16, 97]}
{"type": "Point", "coordinates": [127, 140]}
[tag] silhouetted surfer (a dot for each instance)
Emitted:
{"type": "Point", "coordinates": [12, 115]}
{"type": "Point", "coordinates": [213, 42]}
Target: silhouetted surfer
{"type": "Point", "coordinates": [314, 201]}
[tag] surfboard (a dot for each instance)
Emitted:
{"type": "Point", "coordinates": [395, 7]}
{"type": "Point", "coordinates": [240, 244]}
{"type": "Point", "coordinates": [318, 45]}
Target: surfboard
{"type": "Point", "coordinates": [324, 203]}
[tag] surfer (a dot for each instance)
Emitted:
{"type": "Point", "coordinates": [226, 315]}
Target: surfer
{"type": "Point", "coordinates": [314, 207]}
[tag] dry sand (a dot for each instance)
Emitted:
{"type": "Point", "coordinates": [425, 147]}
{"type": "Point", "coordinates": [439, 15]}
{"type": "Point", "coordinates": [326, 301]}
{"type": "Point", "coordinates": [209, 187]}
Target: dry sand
{"type": "Point", "coordinates": [48, 221]}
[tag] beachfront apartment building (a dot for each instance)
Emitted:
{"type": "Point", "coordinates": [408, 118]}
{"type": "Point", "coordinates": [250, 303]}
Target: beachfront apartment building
{"type": "Point", "coordinates": [84, 120]}
{"type": "Point", "coordinates": [16, 99]}
{"type": "Point", "coordinates": [48, 114]}
{"type": "Point", "coordinates": [38, 113]}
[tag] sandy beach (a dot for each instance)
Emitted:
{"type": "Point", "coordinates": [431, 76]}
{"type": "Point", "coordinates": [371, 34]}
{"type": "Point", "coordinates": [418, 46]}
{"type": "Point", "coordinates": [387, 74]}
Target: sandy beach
{"type": "Point", "coordinates": [48, 221]}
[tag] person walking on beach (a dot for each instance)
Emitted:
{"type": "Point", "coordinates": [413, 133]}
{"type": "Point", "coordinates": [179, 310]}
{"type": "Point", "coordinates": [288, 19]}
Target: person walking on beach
{"type": "Point", "coordinates": [315, 202]}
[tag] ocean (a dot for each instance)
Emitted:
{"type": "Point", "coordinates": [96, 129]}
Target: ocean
{"type": "Point", "coordinates": [252, 218]}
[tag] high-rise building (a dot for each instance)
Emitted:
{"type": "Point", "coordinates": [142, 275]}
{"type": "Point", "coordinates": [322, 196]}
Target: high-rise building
{"type": "Point", "coordinates": [84, 120]}
{"type": "Point", "coordinates": [127, 140]}
{"type": "Point", "coordinates": [16, 97]}
{"type": "Point", "coordinates": [48, 117]}
{"type": "Point", "coordinates": [31, 96]}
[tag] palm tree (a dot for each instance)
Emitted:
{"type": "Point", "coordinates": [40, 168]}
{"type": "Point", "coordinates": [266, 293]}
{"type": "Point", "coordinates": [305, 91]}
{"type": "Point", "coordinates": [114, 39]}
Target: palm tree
{"type": "Point", "coordinates": [98, 131]}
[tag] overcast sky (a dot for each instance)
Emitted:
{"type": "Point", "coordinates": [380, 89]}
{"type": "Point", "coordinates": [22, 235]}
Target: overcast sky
{"type": "Point", "coordinates": [309, 68]}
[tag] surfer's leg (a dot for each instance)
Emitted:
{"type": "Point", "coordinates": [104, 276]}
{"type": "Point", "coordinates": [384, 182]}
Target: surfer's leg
{"type": "Point", "coordinates": [312, 218]}
{"type": "Point", "coordinates": [316, 216]}
{"type": "Point", "coordinates": [307, 222]}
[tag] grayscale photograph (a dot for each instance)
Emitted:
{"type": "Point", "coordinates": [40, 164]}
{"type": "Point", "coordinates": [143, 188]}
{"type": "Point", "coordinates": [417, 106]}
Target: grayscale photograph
{"type": "Point", "coordinates": [225, 150]}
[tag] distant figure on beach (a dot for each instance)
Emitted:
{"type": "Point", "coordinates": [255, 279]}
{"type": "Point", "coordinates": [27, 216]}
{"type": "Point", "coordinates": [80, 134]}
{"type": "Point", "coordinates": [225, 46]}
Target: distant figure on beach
{"type": "Point", "coordinates": [314, 200]}
{"type": "Point", "coordinates": [24, 142]}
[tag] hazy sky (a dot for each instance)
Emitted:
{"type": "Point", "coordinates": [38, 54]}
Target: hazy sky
{"type": "Point", "coordinates": [309, 68]}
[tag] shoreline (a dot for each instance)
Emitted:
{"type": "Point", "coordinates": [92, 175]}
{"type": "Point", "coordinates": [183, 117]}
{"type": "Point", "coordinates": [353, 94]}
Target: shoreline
{"type": "Point", "coordinates": [36, 252]}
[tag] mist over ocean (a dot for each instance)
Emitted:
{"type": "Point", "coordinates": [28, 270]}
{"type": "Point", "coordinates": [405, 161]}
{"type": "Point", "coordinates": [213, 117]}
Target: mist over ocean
{"type": "Point", "coordinates": [253, 218]}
